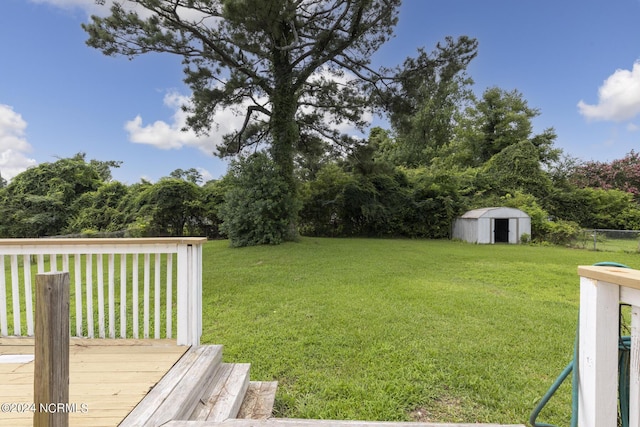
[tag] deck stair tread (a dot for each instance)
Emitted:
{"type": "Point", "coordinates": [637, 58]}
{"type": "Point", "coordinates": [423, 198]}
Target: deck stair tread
{"type": "Point", "coordinates": [287, 422]}
{"type": "Point", "coordinates": [258, 401]}
{"type": "Point", "coordinates": [177, 393]}
{"type": "Point", "coordinates": [224, 395]}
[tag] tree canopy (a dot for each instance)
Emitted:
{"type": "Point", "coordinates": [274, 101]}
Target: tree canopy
{"type": "Point", "coordinates": [423, 106]}
{"type": "Point", "coordinates": [297, 68]}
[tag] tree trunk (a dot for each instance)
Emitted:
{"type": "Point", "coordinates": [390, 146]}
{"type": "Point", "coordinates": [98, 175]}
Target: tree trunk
{"type": "Point", "coordinates": [285, 137]}
{"type": "Point", "coordinates": [284, 129]}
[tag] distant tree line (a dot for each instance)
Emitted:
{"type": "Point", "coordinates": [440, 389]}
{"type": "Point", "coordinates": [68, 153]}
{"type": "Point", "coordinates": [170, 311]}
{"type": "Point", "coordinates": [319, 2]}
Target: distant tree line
{"type": "Point", "coordinates": [76, 196]}
{"type": "Point", "coordinates": [411, 180]}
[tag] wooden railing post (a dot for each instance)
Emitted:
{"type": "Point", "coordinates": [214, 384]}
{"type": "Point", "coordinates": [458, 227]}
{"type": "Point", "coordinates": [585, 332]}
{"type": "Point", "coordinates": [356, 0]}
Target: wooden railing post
{"type": "Point", "coordinates": [602, 288]}
{"type": "Point", "coordinates": [51, 365]}
{"type": "Point", "coordinates": [598, 353]}
{"type": "Point", "coordinates": [189, 304]}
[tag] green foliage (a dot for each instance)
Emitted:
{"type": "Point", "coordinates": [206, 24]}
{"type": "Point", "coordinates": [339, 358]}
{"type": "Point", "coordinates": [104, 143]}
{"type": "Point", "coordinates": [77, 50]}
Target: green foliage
{"type": "Point", "coordinates": [596, 208]}
{"type": "Point", "coordinates": [41, 200]}
{"type": "Point", "coordinates": [562, 232]}
{"type": "Point", "coordinates": [422, 106]}
{"type": "Point", "coordinates": [130, 207]}
{"type": "Point", "coordinates": [436, 200]}
{"type": "Point", "coordinates": [517, 168]}
{"type": "Point", "coordinates": [191, 175]}
{"type": "Point", "coordinates": [258, 206]}
{"type": "Point", "coordinates": [73, 196]}
{"type": "Point", "coordinates": [323, 202]}
{"type": "Point", "coordinates": [501, 119]}
{"type": "Point", "coordinates": [375, 205]}
{"type": "Point", "coordinates": [98, 210]}
{"type": "Point", "coordinates": [212, 199]}
{"type": "Point", "coordinates": [382, 202]}
{"type": "Point", "coordinates": [170, 205]}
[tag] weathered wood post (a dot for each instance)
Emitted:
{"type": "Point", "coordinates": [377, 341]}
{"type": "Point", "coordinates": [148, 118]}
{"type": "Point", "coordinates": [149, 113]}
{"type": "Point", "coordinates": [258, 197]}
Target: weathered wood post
{"type": "Point", "coordinates": [51, 365]}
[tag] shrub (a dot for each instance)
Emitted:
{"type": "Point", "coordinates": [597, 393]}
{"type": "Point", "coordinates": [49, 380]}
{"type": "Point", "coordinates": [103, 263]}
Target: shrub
{"type": "Point", "coordinates": [258, 206]}
{"type": "Point", "coordinates": [323, 210]}
{"type": "Point", "coordinates": [562, 232]}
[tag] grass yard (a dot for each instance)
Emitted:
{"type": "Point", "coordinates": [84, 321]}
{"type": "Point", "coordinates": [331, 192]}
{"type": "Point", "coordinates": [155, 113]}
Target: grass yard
{"type": "Point", "coordinates": [399, 329]}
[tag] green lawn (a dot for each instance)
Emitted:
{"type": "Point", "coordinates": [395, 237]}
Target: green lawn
{"type": "Point", "coordinates": [399, 329]}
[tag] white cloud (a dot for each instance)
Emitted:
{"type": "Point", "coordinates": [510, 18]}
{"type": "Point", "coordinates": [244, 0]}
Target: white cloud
{"type": "Point", "coordinates": [13, 143]}
{"type": "Point", "coordinates": [89, 6]}
{"type": "Point", "coordinates": [206, 175]}
{"type": "Point", "coordinates": [103, 8]}
{"type": "Point", "coordinates": [168, 136]}
{"type": "Point", "coordinates": [632, 127]}
{"type": "Point", "coordinates": [618, 97]}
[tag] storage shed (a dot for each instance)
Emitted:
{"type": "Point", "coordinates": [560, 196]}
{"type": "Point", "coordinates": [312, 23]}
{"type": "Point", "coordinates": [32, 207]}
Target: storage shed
{"type": "Point", "coordinates": [492, 225]}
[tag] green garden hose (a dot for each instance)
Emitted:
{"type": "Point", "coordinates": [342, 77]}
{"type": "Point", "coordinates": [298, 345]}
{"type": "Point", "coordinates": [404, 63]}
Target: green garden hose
{"type": "Point", "coordinates": [624, 346]}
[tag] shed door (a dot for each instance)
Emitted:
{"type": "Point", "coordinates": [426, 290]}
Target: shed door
{"type": "Point", "coordinates": [501, 230]}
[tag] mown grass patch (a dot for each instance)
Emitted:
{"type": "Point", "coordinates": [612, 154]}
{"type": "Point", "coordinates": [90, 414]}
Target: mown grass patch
{"type": "Point", "coordinates": [399, 329]}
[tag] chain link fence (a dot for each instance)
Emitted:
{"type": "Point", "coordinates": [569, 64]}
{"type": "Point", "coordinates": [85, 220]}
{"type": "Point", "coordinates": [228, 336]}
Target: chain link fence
{"type": "Point", "coordinates": [609, 240]}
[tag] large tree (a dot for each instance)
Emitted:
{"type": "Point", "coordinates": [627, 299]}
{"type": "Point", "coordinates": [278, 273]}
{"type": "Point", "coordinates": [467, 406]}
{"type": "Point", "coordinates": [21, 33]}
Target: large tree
{"type": "Point", "coordinates": [422, 106]}
{"type": "Point", "coordinates": [499, 120]}
{"type": "Point", "coordinates": [296, 68]}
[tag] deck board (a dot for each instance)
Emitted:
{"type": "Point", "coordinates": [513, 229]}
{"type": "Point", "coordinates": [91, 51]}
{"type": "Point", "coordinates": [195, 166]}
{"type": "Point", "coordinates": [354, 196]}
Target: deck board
{"type": "Point", "coordinates": [109, 376]}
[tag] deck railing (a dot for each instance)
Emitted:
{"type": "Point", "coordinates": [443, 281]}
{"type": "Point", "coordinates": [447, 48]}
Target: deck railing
{"type": "Point", "coordinates": [120, 288]}
{"type": "Point", "coordinates": [601, 291]}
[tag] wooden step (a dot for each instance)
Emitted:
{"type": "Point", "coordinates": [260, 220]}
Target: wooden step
{"type": "Point", "coordinates": [258, 401]}
{"type": "Point", "coordinates": [177, 393]}
{"type": "Point", "coordinates": [286, 422]}
{"type": "Point", "coordinates": [224, 395]}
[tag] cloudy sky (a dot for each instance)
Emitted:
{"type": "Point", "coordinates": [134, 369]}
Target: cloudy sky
{"type": "Point", "coordinates": [578, 61]}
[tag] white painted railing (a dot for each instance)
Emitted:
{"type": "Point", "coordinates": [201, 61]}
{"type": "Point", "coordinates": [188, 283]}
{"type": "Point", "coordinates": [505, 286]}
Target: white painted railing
{"type": "Point", "coordinates": [114, 281]}
{"type": "Point", "coordinates": [601, 291]}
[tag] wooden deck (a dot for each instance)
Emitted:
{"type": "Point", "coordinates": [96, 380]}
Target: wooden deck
{"type": "Point", "coordinates": [108, 378]}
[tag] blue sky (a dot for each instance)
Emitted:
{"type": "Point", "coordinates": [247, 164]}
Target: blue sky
{"type": "Point", "coordinates": [576, 61]}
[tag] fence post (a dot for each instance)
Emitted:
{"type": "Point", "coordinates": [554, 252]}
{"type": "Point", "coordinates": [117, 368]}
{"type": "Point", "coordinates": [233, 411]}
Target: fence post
{"type": "Point", "coordinates": [51, 364]}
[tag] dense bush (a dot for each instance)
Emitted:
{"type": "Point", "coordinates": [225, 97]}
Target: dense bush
{"type": "Point", "coordinates": [323, 202]}
{"type": "Point", "coordinates": [253, 212]}
{"type": "Point", "coordinates": [561, 232]}
{"type": "Point", "coordinates": [385, 203]}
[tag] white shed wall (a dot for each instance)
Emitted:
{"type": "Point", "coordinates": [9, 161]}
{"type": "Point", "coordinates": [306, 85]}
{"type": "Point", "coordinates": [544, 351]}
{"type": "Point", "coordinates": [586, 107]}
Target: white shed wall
{"type": "Point", "coordinates": [465, 229]}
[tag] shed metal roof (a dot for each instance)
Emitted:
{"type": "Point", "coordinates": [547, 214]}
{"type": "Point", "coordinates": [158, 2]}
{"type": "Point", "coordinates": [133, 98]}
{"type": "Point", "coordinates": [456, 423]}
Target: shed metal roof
{"type": "Point", "coordinates": [499, 212]}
